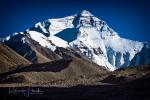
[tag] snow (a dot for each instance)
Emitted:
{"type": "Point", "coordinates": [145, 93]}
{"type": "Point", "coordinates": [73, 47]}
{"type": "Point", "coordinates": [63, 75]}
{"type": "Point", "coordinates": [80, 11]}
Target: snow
{"type": "Point", "coordinates": [59, 42]}
{"type": "Point", "coordinates": [7, 38]}
{"type": "Point", "coordinates": [14, 33]}
{"type": "Point", "coordinates": [116, 51]}
{"type": "Point", "coordinates": [60, 24]}
{"type": "Point", "coordinates": [86, 13]}
{"type": "Point", "coordinates": [122, 50]}
{"type": "Point", "coordinates": [41, 26]}
{"type": "Point", "coordinates": [43, 41]}
{"type": "Point", "coordinates": [122, 45]}
{"type": "Point", "coordinates": [102, 61]}
{"type": "Point", "coordinates": [23, 40]}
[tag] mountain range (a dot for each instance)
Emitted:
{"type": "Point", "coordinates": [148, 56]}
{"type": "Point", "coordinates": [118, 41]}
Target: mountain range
{"type": "Point", "coordinates": [81, 35]}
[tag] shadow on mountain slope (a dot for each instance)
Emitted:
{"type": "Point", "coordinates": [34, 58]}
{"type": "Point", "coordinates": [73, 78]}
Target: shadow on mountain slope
{"type": "Point", "coordinates": [9, 59]}
{"type": "Point", "coordinates": [68, 34]}
{"type": "Point", "coordinates": [53, 66]}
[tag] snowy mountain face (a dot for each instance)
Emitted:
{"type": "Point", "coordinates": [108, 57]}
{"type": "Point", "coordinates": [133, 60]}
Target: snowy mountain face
{"type": "Point", "coordinates": [88, 35]}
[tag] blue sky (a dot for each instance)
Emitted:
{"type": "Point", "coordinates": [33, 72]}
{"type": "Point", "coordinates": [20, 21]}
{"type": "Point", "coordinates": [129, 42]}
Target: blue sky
{"type": "Point", "coordinates": [130, 18]}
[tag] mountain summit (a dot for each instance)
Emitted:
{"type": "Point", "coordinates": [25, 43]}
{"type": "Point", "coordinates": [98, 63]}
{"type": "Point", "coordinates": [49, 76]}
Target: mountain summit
{"type": "Point", "coordinates": [85, 13]}
{"type": "Point", "coordinates": [85, 35]}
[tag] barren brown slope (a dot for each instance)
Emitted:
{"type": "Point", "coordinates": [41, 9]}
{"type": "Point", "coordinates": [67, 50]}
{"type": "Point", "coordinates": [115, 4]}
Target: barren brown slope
{"type": "Point", "coordinates": [9, 59]}
{"type": "Point", "coordinates": [60, 70]}
{"type": "Point", "coordinates": [39, 57]}
{"type": "Point", "coordinates": [125, 75]}
{"type": "Point", "coordinates": [48, 53]}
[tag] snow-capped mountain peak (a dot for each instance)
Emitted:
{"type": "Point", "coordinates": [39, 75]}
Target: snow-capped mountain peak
{"type": "Point", "coordinates": [88, 35]}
